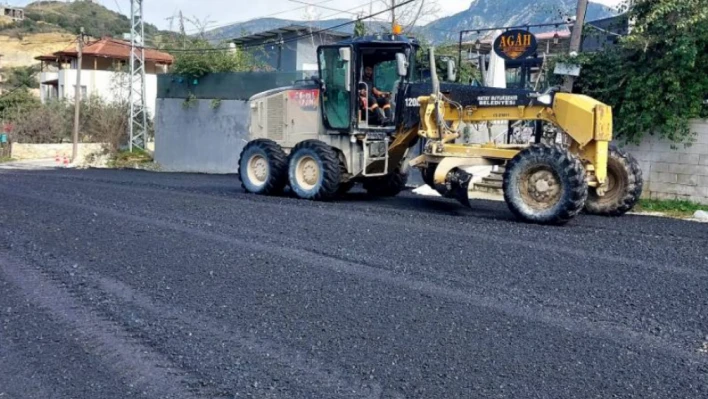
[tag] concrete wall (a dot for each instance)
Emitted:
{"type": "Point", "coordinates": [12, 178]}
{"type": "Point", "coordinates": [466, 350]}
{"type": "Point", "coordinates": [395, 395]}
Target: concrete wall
{"type": "Point", "coordinates": [200, 138]}
{"type": "Point", "coordinates": [39, 151]}
{"type": "Point", "coordinates": [680, 173]}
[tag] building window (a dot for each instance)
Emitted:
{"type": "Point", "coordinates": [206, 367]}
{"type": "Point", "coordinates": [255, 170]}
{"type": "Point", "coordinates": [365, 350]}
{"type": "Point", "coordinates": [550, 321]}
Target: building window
{"type": "Point", "coordinates": [83, 92]}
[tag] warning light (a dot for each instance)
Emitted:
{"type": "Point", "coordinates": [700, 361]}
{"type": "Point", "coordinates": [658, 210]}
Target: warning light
{"type": "Point", "coordinates": [397, 29]}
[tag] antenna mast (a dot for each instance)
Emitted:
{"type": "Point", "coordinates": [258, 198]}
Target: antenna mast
{"type": "Point", "coordinates": [138, 112]}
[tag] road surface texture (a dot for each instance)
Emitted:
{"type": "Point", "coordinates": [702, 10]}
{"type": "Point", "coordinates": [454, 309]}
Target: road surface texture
{"type": "Point", "coordinates": [118, 284]}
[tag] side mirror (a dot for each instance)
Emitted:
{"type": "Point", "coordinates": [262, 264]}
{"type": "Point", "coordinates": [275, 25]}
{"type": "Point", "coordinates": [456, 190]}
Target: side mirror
{"type": "Point", "coordinates": [345, 54]}
{"type": "Point", "coordinates": [402, 64]}
{"type": "Point", "coordinates": [451, 71]}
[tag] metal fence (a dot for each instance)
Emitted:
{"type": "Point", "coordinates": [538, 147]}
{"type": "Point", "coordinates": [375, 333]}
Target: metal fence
{"type": "Point", "coordinates": [227, 86]}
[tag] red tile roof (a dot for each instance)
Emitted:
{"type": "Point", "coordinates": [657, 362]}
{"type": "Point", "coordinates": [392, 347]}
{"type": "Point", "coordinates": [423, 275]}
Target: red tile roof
{"type": "Point", "coordinates": [109, 48]}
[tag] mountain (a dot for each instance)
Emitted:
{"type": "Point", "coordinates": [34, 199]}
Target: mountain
{"type": "Point", "coordinates": [492, 13]}
{"type": "Point", "coordinates": [480, 14]}
{"type": "Point", "coordinates": [60, 16]}
{"type": "Point", "coordinates": [263, 24]}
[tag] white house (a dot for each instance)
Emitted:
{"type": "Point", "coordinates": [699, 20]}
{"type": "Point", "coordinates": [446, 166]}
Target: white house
{"type": "Point", "coordinates": [104, 72]}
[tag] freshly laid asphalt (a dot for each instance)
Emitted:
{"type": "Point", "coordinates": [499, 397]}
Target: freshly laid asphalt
{"type": "Point", "coordinates": [117, 284]}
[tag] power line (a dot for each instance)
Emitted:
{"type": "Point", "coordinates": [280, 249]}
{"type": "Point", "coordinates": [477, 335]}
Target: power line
{"type": "Point", "coordinates": [349, 11]}
{"type": "Point", "coordinates": [295, 38]}
{"type": "Point", "coordinates": [224, 36]}
{"type": "Point", "coordinates": [264, 16]}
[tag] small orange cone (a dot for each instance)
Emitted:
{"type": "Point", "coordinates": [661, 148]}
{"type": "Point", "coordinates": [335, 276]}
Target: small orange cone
{"type": "Point", "coordinates": [66, 160]}
{"type": "Point", "coordinates": [56, 158]}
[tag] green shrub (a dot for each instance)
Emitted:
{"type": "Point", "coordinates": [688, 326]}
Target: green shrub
{"type": "Point", "coordinates": [656, 79]}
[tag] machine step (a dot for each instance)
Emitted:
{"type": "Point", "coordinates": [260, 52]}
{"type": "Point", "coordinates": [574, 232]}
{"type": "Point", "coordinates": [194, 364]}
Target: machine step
{"type": "Point", "coordinates": [488, 185]}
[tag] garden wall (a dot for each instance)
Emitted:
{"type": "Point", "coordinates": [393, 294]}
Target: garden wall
{"type": "Point", "coordinates": [675, 171]}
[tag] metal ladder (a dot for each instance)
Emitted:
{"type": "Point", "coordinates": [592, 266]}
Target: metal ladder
{"type": "Point", "coordinates": [368, 159]}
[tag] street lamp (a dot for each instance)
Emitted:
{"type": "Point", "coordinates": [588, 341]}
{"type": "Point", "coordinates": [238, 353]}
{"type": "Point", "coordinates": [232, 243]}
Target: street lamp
{"type": "Point", "coordinates": [478, 44]}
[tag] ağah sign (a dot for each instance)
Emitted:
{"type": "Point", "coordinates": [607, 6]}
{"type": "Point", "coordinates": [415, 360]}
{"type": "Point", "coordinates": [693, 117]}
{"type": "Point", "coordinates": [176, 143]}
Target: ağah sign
{"type": "Point", "coordinates": [514, 44]}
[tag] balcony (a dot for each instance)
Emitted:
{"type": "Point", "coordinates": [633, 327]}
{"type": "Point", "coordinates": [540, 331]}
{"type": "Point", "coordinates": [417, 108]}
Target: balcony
{"type": "Point", "coordinates": [46, 77]}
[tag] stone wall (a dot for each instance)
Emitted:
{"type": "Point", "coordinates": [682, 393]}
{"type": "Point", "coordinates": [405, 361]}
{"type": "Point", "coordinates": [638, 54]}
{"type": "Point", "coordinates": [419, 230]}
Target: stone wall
{"type": "Point", "coordinates": [21, 151]}
{"type": "Point", "coordinates": [675, 171]}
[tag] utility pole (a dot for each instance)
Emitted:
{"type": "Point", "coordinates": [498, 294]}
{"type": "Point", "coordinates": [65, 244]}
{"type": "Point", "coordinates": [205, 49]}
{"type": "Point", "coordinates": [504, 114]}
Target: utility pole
{"type": "Point", "coordinates": [576, 39]}
{"type": "Point", "coordinates": [393, 15]}
{"type": "Point", "coordinates": [138, 112]}
{"type": "Point", "coordinates": [371, 11]}
{"type": "Point", "coordinates": [77, 96]}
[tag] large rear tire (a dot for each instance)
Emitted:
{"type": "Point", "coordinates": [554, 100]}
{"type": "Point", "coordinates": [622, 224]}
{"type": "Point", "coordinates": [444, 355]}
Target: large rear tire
{"type": "Point", "coordinates": [389, 185]}
{"type": "Point", "coordinates": [314, 171]}
{"type": "Point", "coordinates": [262, 167]}
{"type": "Point", "coordinates": [545, 184]}
{"type": "Point", "coordinates": [624, 186]}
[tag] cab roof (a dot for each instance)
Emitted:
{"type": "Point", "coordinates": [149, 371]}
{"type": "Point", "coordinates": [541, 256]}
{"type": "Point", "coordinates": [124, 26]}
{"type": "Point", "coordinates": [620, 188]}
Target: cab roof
{"type": "Point", "coordinates": [380, 39]}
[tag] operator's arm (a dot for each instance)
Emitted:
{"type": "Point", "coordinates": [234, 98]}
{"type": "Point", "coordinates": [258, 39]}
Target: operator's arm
{"type": "Point", "coordinates": [377, 92]}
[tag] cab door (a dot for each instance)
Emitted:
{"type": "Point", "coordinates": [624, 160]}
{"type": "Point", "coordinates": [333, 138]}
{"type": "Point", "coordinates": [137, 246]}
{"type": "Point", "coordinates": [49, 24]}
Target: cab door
{"type": "Point", "coordinates": [335, 67]}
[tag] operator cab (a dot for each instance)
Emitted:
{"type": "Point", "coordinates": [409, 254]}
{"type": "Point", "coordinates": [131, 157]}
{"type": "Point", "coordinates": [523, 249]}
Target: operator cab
{"type": "Point", "coordinates": [360, 81]}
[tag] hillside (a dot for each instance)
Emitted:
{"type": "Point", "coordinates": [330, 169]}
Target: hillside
{"type": "Point", "coordinates": [51, 26]}
{"type": "Point", "coordinates": [21, 52]}
{"type": "Point", "coordinates": [96, 19]}
{"type": "Point", "coordinates": [480, 14]}
{"type": "Point", "coordinates": [68, 18]}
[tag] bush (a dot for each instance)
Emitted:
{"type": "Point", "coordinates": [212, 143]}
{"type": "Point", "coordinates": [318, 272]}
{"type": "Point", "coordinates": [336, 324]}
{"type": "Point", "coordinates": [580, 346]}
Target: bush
{"type": "Point", "coordinates": [16, 102]}
{"type": "Point", "coordinates": [195, 64]}
{"type": "Point", "coordinates": [100, 121]}
{"type": "Point", "coordinates": [656, 79]}
{"type": "Point", "coordinates": [49, 123]}
{"type": "Point", "coordinates": [105, 122]}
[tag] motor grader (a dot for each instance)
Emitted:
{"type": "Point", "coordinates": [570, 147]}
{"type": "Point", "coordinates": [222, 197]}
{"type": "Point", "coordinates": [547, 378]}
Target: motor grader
{"type": "Point", "coordinates": [318, 140]}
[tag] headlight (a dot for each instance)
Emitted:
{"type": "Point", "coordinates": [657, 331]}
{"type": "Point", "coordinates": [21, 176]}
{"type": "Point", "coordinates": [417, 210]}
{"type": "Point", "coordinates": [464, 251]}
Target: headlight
{"type": "Point", "coordinates": [545, 99]}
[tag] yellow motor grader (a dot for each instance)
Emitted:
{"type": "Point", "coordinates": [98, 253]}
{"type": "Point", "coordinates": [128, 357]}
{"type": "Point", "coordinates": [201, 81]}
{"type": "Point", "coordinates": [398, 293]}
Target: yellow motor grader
{"type": "Point", "coordinates": [321, 138]}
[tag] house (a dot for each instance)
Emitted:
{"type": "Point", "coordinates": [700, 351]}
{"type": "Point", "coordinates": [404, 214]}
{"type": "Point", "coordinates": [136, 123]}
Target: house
{"type": "Point", "coordinates": [104, 71]}
{"type": "Point", "coordinates": [605, 33]}
{"type": "Point", "coordinates": [15, 13]}
{"type": "Point", "coordinates": [289, 49]}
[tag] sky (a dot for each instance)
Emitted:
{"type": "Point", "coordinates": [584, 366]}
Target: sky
{"type": "Point", "coordinates": [223, 12]}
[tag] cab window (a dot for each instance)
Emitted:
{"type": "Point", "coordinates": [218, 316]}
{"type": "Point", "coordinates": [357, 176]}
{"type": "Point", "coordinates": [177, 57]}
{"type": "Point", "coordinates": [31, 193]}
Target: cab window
{"type": "Point", "coordinates": [336, 100]}
{"type": "Point", "coordinates": [385, 75]}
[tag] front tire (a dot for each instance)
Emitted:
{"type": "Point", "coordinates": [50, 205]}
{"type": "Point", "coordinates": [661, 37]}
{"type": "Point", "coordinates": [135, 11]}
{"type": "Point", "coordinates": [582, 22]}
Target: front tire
{"type": "Point", "coordinates": [314, 171]}
{"type": "Point", "coordinates": [262, 167]}
{"type": "Point", "coordinates": [624, 186]}
{"type": "Point", "coordinates": [545, 184]}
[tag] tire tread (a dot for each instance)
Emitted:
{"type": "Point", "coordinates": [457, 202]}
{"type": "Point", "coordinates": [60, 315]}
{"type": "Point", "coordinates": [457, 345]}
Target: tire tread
{"type": "Point", "coordinates": [277, 162]}
{"type": "Point", "coordinates": [568, 165]}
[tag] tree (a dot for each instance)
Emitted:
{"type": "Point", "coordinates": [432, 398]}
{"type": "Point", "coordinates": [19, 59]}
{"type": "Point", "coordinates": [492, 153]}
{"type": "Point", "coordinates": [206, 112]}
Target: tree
{"type": "Point", "coordinates": [195, 56]}
{"type": "Point", "coordinates": [359, 28]}
{"type": "Point", "coordinates": [411, 14]}
{"type": "Point", "coordinates": [465, 72]}
{"type": "Point", "coordinates": [656, 79]}
{"type": "Point", "coordinates": [25, 76]}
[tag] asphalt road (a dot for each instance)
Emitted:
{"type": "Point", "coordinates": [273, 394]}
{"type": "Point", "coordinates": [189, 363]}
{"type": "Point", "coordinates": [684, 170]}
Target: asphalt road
{"type": "Point", "coordinates": [117, 284]}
